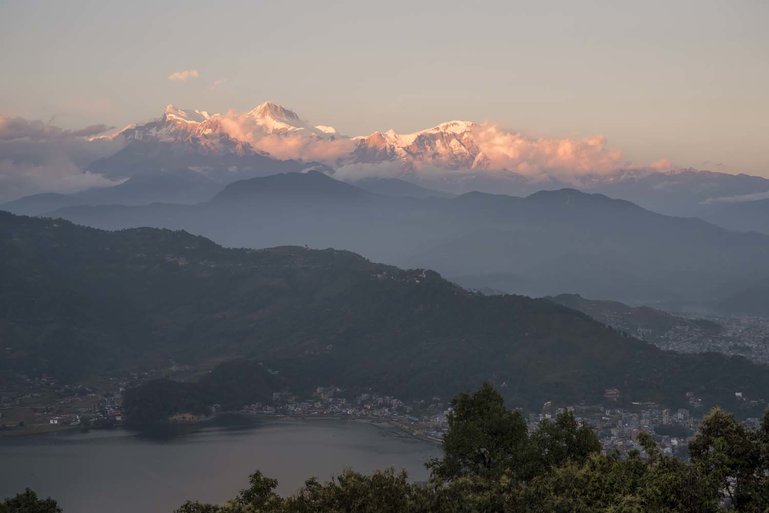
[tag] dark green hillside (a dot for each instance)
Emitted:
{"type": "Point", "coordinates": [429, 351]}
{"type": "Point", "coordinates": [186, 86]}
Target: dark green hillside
{"type": "Point", "coordinates": [77, 301]}
{"type": "Point", "coordinates": [231, 385]}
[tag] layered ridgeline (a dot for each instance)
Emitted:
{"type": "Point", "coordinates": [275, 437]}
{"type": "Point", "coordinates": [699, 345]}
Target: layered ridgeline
{"type": "Point", "coordinates": [77, 301]}
{"type": "Point", "coordinates": [548, 243]}
{"type": "Point", "coordinates": [642, 322]}
{"type": "Point", "coordinates": [196, 150]}
{"type": "Point", "coordinates": [740, 215]}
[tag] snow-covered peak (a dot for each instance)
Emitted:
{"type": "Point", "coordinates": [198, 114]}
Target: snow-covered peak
{"type": "Point", "coordinates": [276, 119]}
{"type": "Point", "coordinates": [269, 110]}
{"type": "Point", "coordinates": [330, 130]}
{"type": "Point", "coordinates": [454, 127]}
{"type": "Point", "coordinates": [264, 128]}
{"type": "Point", "coordinates": [272, 129]}
{"type": "Point", "coordinates": [450, 145]}
{"type": "Point", "coordinates": [173, 113]}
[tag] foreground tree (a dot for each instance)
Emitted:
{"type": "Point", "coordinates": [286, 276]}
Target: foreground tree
{"type": "Point", "coordinates": [197, 507]}
{"type": "Point", "coordinates": [736, 458]}
{"type": "Point", "coordinates": [484, 438]}
{"type": "Point", "coordinates": [381, 492]}
{"type": "Point", "coordinates": [607, 483]}
{"type": "Point", "coordinates": [259, 497]}
{"type": "Point", "coordinates": [562, 441]}
{"type": "Point", "coordinates": [28, 502]}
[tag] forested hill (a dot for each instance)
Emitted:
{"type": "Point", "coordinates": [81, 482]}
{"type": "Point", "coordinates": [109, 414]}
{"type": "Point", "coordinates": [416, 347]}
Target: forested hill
{"type": "Point", "coordinates": [76, 301]}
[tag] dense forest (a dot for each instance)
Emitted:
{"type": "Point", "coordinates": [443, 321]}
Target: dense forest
{"type": "Point", "coordinates": [491, 463]}
{"type": "Point", "coordinates": [79, 302]}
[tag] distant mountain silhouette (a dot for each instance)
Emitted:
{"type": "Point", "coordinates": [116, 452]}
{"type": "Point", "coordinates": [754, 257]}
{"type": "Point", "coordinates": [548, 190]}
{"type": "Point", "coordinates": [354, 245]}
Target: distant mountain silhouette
{"type": "Point", "coordinates": [398, 188]}
{"type": "Point", "coordinates": [547, 243]}
{"type": "Point", "coordinates": [740, 215]}
{"type": "Point", "coordinates": [681, 192]}
{"type": "Point", "coordinates": [182, 187]}
{"type": "Point", "coordinates": [310, 186]}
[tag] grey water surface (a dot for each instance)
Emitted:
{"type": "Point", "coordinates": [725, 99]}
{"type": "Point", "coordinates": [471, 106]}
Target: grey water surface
{"type": "Point", "coordinates": [123, 472]}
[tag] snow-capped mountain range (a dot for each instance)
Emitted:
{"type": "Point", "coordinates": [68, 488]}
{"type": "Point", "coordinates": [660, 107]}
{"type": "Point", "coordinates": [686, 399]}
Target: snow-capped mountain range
{"type": "Point", "coordinates": [271, 129]}
{"type": "Point", "coordinates": [451, 145]}
{"type": "Point", "coordinates": [188, 155]}
{"type": "Point", "coordinates": [187, 124]}
{"type": "Point", "coordinates": [455, 156]}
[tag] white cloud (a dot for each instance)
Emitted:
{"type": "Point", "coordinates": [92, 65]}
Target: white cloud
{"type": "Point", "coordinates": [184, 75]}
{"type": "Point", "coordinates": [38, 157]}
{"type": "Point", "coordinates": [18, 179]}
{"type": "Point", "coordinates": [540, 157]}
{"type": "Point", "coordinates": [493, 148]}
{"type": "Point", "coordinates": [16, 128]}
{"type": "Point", "coordinates": [216, 84]}
{"type": "Point", "coordinates": [755, 196]}
{"type": "Point", "coordinates": [283, 145]}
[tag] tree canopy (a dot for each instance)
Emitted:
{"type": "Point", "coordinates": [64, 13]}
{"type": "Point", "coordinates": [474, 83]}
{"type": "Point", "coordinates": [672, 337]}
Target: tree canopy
{"type": "Point", "coordinates": [29, 502]}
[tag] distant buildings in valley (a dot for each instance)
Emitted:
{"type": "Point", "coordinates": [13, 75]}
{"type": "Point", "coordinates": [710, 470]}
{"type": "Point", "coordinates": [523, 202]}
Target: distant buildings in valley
{"type": "Point", "coordinates": [40, 404]}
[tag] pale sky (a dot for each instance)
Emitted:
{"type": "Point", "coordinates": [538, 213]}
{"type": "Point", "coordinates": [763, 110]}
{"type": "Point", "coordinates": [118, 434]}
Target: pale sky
{"type": "Point", "coordinates": [683, 80]}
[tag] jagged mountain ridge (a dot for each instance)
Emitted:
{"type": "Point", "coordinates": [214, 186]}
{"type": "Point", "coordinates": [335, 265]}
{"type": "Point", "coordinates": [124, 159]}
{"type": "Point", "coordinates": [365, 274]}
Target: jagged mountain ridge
{"type": "Point", "coordinates": [449, 144]}
{"type": "Point", "coordinates": [742, 215]}
{"type": "Point", "coordinates": [456, 156]}
{"type": "Point", "coordinates": [210, 130]}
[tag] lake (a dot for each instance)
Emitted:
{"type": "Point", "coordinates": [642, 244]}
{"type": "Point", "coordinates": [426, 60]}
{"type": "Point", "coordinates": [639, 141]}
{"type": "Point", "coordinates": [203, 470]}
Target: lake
{"type": "Point", "coordinates": [122, 472]}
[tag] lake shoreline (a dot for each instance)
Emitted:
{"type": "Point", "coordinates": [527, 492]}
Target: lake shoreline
{"type": "Point", "coordinates": [177, 428]}
{"type": "Point", "coordinates": [41, 431]}
{"type": "Point", "coordinates": [376, 421]}
{"type": "Point", "coordinates": [210, 463]}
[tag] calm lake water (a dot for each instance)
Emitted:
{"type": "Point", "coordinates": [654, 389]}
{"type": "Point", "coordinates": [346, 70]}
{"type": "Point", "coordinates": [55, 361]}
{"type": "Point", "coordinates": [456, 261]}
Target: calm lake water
{"type": "Point", "coordinates": [122, 472]}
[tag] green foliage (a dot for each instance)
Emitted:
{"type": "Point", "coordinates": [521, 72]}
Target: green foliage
{"type": "Point", "coordinates": [736, 459]}
{"type": "Point", "coordinates": [563, 441]}
{"type": "Point", "coordinates": [28, 502]}
{"type": "Point", "coordinates": [351, 492]}
{"type": "Point", "coordinates": [197, 507]}
{"type": "Point", "coordinates": [487, 440]}
{"type": "Point", "coordinates": [156, 400]}
{"type": "Point", "coordinates": [484, 438]}
{"type": "Point", "coordinates": [259, 496]}
{"type": "Point", "coordinates": [77, 301]}
{"type": "Point", "coordinates": [559, 468]}
{"type": "Point", "coordinates": [608, 484]}
{"type": "Point", "coordinates": [231, 385]}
